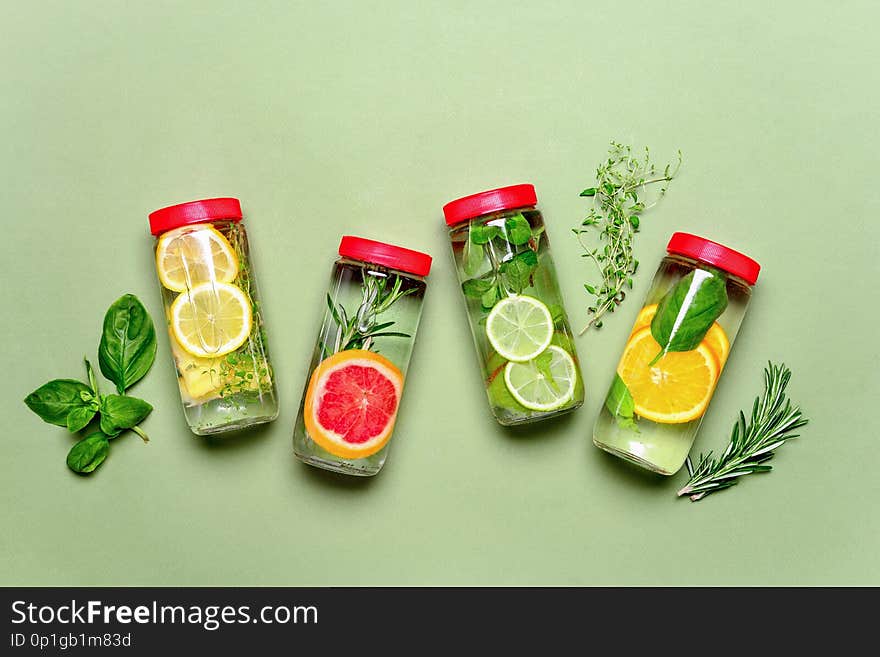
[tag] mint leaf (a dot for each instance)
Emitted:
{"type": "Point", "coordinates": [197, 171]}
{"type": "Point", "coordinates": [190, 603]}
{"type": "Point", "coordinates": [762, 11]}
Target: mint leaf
{"type": "Point", "coordinates": [480, 234]}
{"type": "Point", "coordinates": [473, 257]}
{"type": "Point", "coordinates": [490, 298]}
{"type": "Point", "coordinates": [516, 273]}
{"type": "Point", "coordinates": [518, 230]}
{"type": "Point", "coordinates": [477, 287]}
{"type": "Point", "coordinates": [542, 364]}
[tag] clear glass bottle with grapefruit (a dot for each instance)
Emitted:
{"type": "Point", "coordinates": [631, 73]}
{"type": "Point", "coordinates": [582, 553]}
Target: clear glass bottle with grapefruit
{"type": "Point", "coordinates": [215, 322]}
{"type": "Point", "coordinates": [356, 377]}
{"type": "Point", "coordinates": [520, 329]}
{"type": "Point", "coordinates": [675, 353]}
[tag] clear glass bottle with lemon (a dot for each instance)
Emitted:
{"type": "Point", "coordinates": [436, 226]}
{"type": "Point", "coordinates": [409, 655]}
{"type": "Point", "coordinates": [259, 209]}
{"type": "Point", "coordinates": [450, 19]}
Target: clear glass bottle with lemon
{"type": "Point", "coordinates": [215, 323]}
{"type": "Point", "coordinates": [356, 377]}
{"type": "Point", "coordinates": [675, 353]}
{"type": "Point", "coordinates": [518, 321]}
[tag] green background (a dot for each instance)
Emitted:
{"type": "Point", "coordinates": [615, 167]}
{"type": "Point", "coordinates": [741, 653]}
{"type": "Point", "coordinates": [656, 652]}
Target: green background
{"type": "Point", "coordinates": [364, 118]}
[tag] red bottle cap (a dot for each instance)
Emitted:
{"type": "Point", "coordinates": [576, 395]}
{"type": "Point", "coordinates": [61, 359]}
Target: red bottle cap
{"type": "Point", "coordinates": [494, 200]}
{"type": "Point", "coordinates": [194, 212]}
{"type": "Point", "coordinates": [387, 255]}
{"type": "Point", "coordinates": [716, 254]}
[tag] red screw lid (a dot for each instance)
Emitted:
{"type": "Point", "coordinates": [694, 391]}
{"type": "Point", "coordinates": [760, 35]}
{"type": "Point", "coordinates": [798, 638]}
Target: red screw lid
{"type": "Point", "coordinates": [194, 212]}
{"type": "Point", "coordinates": [716, 254]}
{"type": "Point", "coordinates": [387, 255]}
{"type": "Point", "coordinates": [494, 200]}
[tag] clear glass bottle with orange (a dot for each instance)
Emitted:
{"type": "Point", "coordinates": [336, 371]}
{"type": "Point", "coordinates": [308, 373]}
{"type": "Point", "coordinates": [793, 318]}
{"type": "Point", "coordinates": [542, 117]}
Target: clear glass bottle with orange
{"type": "Point", "coordinates": [675, 353]}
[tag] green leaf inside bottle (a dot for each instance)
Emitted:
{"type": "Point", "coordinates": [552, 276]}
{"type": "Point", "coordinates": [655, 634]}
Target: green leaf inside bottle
{"type": "Point", "coordinates": [620, 404]}
{"type": "Point", "coordinates": [688, 310]}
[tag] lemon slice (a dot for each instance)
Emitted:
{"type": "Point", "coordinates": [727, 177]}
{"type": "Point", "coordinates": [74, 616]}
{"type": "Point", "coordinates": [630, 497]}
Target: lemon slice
{"type": "Point", "coordinates": [199, 378]}
{"type": "Point", "coordinates": [203, 379]}
{"type": "Point", "coordinates": [543, 386]}
{"type": "Point", "coordinates": [212, 319]}
{"type": "Point", "coordinates": [519, 328]}
{"type": "Point", "coordinates": [189, 256]}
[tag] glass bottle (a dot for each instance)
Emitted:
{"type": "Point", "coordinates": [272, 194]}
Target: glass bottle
{"type": "Point", "coordinates": [675, 353]}
{"type": "Point", "coordinates": [215, 324]}
{"type": "Point", "coordinates": [356, 376]}
{"type": "Point", "coordinates": [518, 321]}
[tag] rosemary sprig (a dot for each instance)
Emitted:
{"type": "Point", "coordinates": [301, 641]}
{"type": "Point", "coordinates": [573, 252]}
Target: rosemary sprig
{"type": "Point", "coordinates": [359, 331]}
{"type": "Point", "coordinates": [752, 443]}
{"type": "Point", "coordinates": [620, 181]}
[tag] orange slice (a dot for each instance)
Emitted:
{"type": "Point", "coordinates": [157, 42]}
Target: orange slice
{"type": "Point", "coordinates": [351, 403]}
{"type": "Point", "coordinates": [644, 317]}
{"type": "Point", "coordinates": [716, 338]}
{"type": "Point", "coordinates": [677, 388]}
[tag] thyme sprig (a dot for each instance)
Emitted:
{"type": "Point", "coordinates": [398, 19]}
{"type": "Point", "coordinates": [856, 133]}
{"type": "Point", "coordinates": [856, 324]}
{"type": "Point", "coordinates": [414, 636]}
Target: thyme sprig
{"type": "Point", "coordinates": [752, 443]}
{"type": "Point", "coordinates": [359, 330]}
{"type": "Point", "coordinates": [248, 368]}
{"type": "Point", "coordinates": [621, 180]}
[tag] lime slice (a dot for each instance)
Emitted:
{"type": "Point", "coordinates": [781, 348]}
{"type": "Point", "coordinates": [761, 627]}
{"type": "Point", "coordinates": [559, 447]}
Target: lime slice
{"type": "Point", "coordinates": [545, 383]}
{"type": "Point", "coordinates": [519, 328]}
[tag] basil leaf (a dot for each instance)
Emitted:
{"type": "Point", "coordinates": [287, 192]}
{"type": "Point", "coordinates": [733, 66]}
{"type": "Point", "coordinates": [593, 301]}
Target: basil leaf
{"type": "Point", "coordinates": [480, 234]}
{"type": "Point", "coordinates": [79, 417]}
{"type": "Point", "coordinates": [128, 342]}
{"type": "Point", "coordinates": [477, 287]}
{"type": "Point", "coordinates": [620, 404]}
{"type": "Point", "coordinates": [619, 401]}
{"type": "Point", "coordinates": [54, 401]}
{"type": "Point", "coordinates": [517, 272]}
{"type": "Point", "coordinates": [119, 412]}
{"type": "Point", "coordinates": [88, 453]}
{"type": "Point", "coordinates": [472, 258]}
{"type": "Point", "coordinates": [688, 310]}
{"type": "Point", "coordinates": [518, 230]}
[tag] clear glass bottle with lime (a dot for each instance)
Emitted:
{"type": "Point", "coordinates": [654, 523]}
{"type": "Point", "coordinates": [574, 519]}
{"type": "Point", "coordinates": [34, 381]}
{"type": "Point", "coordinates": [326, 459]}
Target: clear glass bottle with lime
{"type": "Point", "coordinates": [519, 325]}
{"type": "Point", "coordinates": [675, 353]}
{"type": "Point", "coordinates": [215, 323]}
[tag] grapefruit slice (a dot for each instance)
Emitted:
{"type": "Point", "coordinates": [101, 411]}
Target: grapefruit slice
{"type": "Point", "coordinates": [351, 403]}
